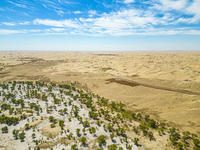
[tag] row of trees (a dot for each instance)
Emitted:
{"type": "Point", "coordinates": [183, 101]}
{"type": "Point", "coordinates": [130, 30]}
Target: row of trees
{"type": "Point", "coordinates": [9, 120]}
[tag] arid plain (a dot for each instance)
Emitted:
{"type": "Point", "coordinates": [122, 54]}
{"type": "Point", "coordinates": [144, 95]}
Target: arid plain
{"type": "Point", "coordinates": [166, 75]}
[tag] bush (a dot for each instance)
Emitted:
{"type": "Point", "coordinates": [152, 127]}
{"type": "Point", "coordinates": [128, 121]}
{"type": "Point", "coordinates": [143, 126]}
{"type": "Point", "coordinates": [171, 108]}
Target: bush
{"type": "Point", "coordinates": [33, 135]}
{"type": "Point", "coordinates": [136, 141]}
{"type": "Point", "coordinates": [112, 147]}
{"type": "Point", "coordinates": [4, 129]}
{"type": "Point", "coordinates": [196, 142]}
{"type": "Point", "coordinates": [73, 147]}
{"type": "Point", "coordinates": [101, 139]}
{"type": "Point", "coordinates": [152, 123]}
{"type": "Point", "coordinates": [83, 140]}
{"type": "Point", "coordinates": [86, 124]}
{"type": "Point", "coordinates": [22, 136]}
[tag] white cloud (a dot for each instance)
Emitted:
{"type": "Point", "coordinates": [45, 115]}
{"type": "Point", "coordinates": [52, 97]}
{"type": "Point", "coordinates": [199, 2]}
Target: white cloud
{"type": "Point", "coordinates": [59, 12]}
{"type": "Point", "coordinates": [92, 13]}
{"type": "Point", "coordinates": [128, 1]}
{"type": "Point", "coordinates": [17, 4]}
{"type": "Point", "coordinates": [2, 9]}
{"type": "Point", "coordinates": [55, 23]}
{"type": "Point", "coordinates": [9, 23]}
{"type": "Point", "coordinates": [45, 6]}
{"type": "Point", "coordinates": [5, 31]}
{"type": "Point", "coordinates": [123, 22]}
{"type": "Point", "coordinates": [77, 12]}
{"type": "Point", "coordinates": [194, 8]}
{"type": "Point", "coordinates": [171, 4]}
{"type": "Point", "coordinates": [60, 1]}
{"type": "Point", "coordinates": [58, 29]}
{"type": "Point", "coordinates": [126, 21]}
{"type": "Point", "coordinates": [24, 23]}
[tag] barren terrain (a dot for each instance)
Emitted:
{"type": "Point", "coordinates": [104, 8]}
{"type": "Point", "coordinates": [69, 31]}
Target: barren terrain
{"type": "Point", "coordinates": [93, 72]}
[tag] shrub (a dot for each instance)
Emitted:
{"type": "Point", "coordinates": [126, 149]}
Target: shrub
{"type": "Point", "coordinates": [101, 139]}
{"type": "Point", "coordinates": [4, 129]}
{"type": "Point", "coordinates": [196, 142]}
{"type": "Point", "coordinates": [83, 140]}
{"type": "Point", "coordinates": [112, 147]}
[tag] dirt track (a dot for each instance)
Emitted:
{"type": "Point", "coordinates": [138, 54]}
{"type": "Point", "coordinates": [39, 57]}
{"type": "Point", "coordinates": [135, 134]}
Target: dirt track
{"type": "Point", "coordinates": [133, 83]}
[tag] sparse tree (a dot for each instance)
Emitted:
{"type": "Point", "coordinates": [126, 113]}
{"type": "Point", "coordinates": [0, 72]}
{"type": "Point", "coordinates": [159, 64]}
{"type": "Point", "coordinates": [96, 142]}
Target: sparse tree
{"type": "Point", "coordinates": [78, 131]}
{"type": "Point", "coordinates": [101, 139]}
{"type": "Point", "coordinates": [83, 140]}
{"type": "Point", "coordinates": [136, 141]}
{"type": "Point", "coordinates": [73, 147]}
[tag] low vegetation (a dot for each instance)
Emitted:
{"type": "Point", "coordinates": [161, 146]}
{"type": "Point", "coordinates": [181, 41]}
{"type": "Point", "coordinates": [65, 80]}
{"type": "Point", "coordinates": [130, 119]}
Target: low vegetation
{"type": "Point", "coordinates": [68, 102]}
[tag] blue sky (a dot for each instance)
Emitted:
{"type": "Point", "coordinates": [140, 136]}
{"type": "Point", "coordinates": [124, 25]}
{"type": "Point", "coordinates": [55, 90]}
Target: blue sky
{"type": "Point", "coordinates": [100, 25]}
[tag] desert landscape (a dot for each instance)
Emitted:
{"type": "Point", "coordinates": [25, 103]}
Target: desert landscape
{"type": "Point", "coordinates": [148, 86]}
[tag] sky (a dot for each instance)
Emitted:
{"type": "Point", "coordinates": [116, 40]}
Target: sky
{"type": "Point", "coordinates": [94, 25]}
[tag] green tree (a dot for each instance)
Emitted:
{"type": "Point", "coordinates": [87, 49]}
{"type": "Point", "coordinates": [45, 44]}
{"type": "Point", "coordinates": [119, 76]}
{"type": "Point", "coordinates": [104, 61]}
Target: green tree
{"type": "Point", "coordinates": [136, 141]}
{"type": "Point", "coordinates": [83, 130]}
{"type": "Point", "coordinates": [152, 123]}
{"type": "Point", "coordinates": [86, 124]}
{"type": "Point", "coordinates": [162, 124]}
{"type": "Point", "coordinates": [33, 135]}
{"type": "Point", "coordinates": [196, 142]}
{"type": "Point", "coordinates": [83, 140]}
{"type": "Point", "coordinates": [65, 110]}
{"type": "Point", "coordinates": [73, 147]}
{"type": "Point", "coordinates": [146, 118]}
{"type": "Point", "coordinates": [150, 135]}
{"type": "Point", "coordinates": [113, 104]}
{"type": "Point", "coordinates": [112, 147]}
{"type": "Point", "coordinates": [101, 139]}
{"type": "Point", "coordinates": [76, 113]}
{"type": "Point", "coordinates": [133, 115]}
{"type": "Point", "coordinates": [139, 116]}
{"type": "Point", "coordinates": [4, 129]}
{"type": "Point", "coordinates": [38, 148]}
{"type": "Point", "coordinates": [112, 136]}
{"type": "Point", "coordinates": [180, 145]}
{"type": "Point", "coordinates": [22, 136]}
{"type": "Point", "coordinates": [27, 126]}
{"type": "Point", "coordinates": [93, 130]}
{"type": "Point", "coordinates": [78, 131]}
{"type": "Point", "coordinates": [22, 104]}
{"type": "Point", "coordinates": [51, 118]}
{"type": "Point", "coordinates": [61, 123]}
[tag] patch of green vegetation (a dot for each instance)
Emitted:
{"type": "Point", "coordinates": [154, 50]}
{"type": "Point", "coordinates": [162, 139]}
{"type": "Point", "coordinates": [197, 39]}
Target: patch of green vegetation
{"type": "Point", "coordinates": [20, 76]}
{"type": "Point", "coordinates": [4, 72]}
{"type": "Point", "coordinates": [106, 69]}
{"type": "Point", "coordinates": [134, 75]}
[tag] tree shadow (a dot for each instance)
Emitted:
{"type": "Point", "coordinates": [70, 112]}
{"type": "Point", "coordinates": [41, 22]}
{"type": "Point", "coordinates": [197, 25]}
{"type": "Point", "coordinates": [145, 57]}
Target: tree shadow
{"type": "Point", "coordinates": [114, 141]}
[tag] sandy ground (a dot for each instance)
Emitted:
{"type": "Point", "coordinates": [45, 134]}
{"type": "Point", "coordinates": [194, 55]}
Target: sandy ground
{"type": "Point", "coordinates": [91, 70]}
